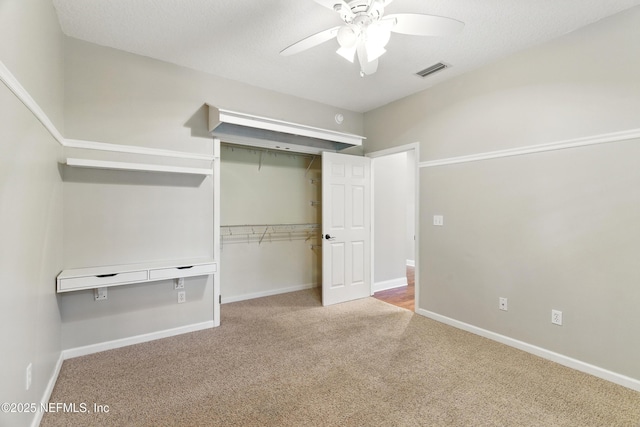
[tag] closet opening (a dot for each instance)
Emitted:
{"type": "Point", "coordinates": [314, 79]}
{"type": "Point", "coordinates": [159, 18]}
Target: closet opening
{"type": "Point", "coordinates": [270, 226]}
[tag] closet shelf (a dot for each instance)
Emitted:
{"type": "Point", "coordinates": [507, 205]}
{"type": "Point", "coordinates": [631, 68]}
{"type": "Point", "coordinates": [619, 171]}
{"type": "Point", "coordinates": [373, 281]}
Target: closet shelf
{"type": "Point", "coordinates": [144, 167]}
{"type": "Point", "coordinates": [257, 233]}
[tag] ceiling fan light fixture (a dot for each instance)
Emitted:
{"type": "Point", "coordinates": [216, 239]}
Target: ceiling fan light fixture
{"type": "Point", "coordinates": [347, 36]}
{"type": "Point", "coordinates": [377, 37]}
{"type": "Point", "coordinates": [366, 30]}
{"type": "Point", "coordinates": [374, 51]}
{"type": "Point", "coordinates": [379, 34]}
{"type": "Point", "coordinates": [348, 53]}
{"type": "Point", "coordinates": [376, 8]}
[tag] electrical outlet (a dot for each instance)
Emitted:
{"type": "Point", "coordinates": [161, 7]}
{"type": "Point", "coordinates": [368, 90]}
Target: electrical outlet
{"type": "Point", "coordinates": [28, 376]}
{"type": "Point", "coordinates": [556, 317]}
{"type": "Point", "coordinates": [502, 304]}
{"type": "Point", "coordinates": [179, 283]}
{"type": "Point", "coordinates": [438, 220]}
{"type": "Point", "coordinates": [182, 297]}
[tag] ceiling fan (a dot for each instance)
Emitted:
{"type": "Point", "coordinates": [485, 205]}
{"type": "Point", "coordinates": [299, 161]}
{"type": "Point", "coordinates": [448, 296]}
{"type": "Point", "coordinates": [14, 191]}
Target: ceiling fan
{"type": "Point", "coordinates": [366, 31]}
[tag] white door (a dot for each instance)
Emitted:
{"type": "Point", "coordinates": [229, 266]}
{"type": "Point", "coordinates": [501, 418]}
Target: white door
{"type": "Point", "coordinates": [346, 228]}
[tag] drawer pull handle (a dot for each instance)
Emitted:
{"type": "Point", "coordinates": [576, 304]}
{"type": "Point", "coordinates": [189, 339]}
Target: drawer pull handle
{"type": "Point", "coordinates": [107, 275]}
{"type": "Point", "coordinates": [185, 268]}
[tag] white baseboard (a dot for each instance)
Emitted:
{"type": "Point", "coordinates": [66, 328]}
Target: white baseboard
{"type": "Point", "coordinates": [411, 263]}
{"type": "Point", "coordinates": [137, 339]}
{"type": "Point", "coordinates": [390, 284]}
{"type": "Point", "coordinates": [570, 362]}
{"type": "Point", "coordinates": [46, 396]}
{"type": "Point", "coordinates": [271, 292]}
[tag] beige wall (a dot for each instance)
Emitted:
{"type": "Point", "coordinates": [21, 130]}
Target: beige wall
{"type": "Point", "coordinates": [268, 187]}
{"type": "Point", "coordinates": [122, 98]}
{"type": "Point", "coordinates": [31, 48]}
{"type": "Point", "coordinates": [563, 235]}
{"type": "Point", "coordinates": [113, 217]}
{"type": "Point", "coordinates": [30, 204]}
{"type": "Point", "coordinates": [555, 230]}
{"type": "Point", "coordinates": [582, 84]}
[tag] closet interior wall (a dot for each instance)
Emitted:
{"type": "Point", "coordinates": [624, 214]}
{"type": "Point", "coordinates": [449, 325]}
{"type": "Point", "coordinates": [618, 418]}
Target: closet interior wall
{"type": "Point", "coordinates": [270, 222]}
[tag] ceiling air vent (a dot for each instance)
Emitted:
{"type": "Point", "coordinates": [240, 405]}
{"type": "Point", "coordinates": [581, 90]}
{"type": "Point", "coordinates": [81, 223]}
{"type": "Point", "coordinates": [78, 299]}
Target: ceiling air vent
{"type": "Point", "coordinates": [433, 69]}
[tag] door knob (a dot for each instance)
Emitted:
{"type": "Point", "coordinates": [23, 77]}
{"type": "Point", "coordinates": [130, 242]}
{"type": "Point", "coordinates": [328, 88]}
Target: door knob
{"type": "Point", "coordinates": [328, 237]}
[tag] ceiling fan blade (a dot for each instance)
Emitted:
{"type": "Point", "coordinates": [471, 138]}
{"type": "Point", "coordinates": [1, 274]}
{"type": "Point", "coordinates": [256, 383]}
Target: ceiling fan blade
{"type": "Point", "coordinates": [311, 41]}
{"type": "Point", "coordinates": [424, 25]}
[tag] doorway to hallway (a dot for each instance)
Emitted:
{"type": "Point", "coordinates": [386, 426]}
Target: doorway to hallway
{"type": "Point", "coordinates": [395, 226]}
{"type": "Point", "coordinates": [403, 296]}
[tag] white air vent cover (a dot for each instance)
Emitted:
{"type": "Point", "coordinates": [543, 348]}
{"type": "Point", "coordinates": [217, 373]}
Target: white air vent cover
{"type": "Point", "coordinates": [256, 131]}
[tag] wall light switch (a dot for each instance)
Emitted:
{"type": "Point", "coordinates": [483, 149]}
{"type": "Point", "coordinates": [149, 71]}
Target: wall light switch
{"type": "Point", "coordinates": [438, 220]}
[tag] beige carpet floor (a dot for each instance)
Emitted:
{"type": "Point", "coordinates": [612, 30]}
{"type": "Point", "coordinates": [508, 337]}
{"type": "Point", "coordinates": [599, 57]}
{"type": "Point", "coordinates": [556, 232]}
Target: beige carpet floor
{"type": "Point", "coordinates": [287, 361]}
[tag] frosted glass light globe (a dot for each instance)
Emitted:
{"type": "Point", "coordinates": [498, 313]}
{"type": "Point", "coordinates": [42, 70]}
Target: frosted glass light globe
{"type": "Point", "coordinates": [378, 35]}
{"type": "Point", "coordinates": [347, 36]}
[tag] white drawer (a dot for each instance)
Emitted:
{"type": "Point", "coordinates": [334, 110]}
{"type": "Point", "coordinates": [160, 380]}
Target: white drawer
{"type": "Point", "coordinates": [87, 282]}
{"type": "Point", "coordinates": [183, 271]}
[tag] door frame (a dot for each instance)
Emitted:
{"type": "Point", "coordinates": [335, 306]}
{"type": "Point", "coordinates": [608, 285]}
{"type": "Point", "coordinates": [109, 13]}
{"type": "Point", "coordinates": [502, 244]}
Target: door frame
{"type": "Point", "coordinates": [415, 147]}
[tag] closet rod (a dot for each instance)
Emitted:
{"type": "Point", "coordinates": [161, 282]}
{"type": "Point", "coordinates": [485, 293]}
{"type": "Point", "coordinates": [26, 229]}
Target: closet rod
{"type": "Point", "coordinates": [255, 233]}
{"type": "Point", "coordinates": [299, 226]}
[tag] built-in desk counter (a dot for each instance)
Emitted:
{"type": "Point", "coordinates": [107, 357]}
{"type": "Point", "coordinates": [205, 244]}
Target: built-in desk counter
{"type": "Point", "coordinates": [119, 275]}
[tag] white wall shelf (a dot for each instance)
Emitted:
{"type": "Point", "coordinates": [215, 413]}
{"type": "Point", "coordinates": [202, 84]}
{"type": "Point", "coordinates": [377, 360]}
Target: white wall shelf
{"type": "Point", "coordinates": [143, 167]}
{"type": "Point", "coordinates": [272, 134]}
{"type": "Point", "coordinates": [132, 149]}
{"type": "Point", "coordinates": [118, 275]}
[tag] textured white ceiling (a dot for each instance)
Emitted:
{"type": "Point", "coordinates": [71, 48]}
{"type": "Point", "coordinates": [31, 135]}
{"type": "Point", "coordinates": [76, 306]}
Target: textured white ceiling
{"type": "Point", "coordinates": [241, 40]}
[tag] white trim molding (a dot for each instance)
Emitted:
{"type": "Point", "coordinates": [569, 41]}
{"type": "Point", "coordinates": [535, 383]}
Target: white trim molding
{"type": "Point", "coordinates": [540, 148]}
{"type": "Point", "coordinates": [390, 284]}
{"type": "Point", "coordinates": [21, 93]}
{"type": "Point", "coordinates": [561, 359]}
{"type": "Point", "coordinates": [395, 150]}
{"type": "Point", "coordinates": [137, 339]}
{"type": "Point", "coordinates": [268, 293]}
{"type": "Point", "coordinates": [46, 396]}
